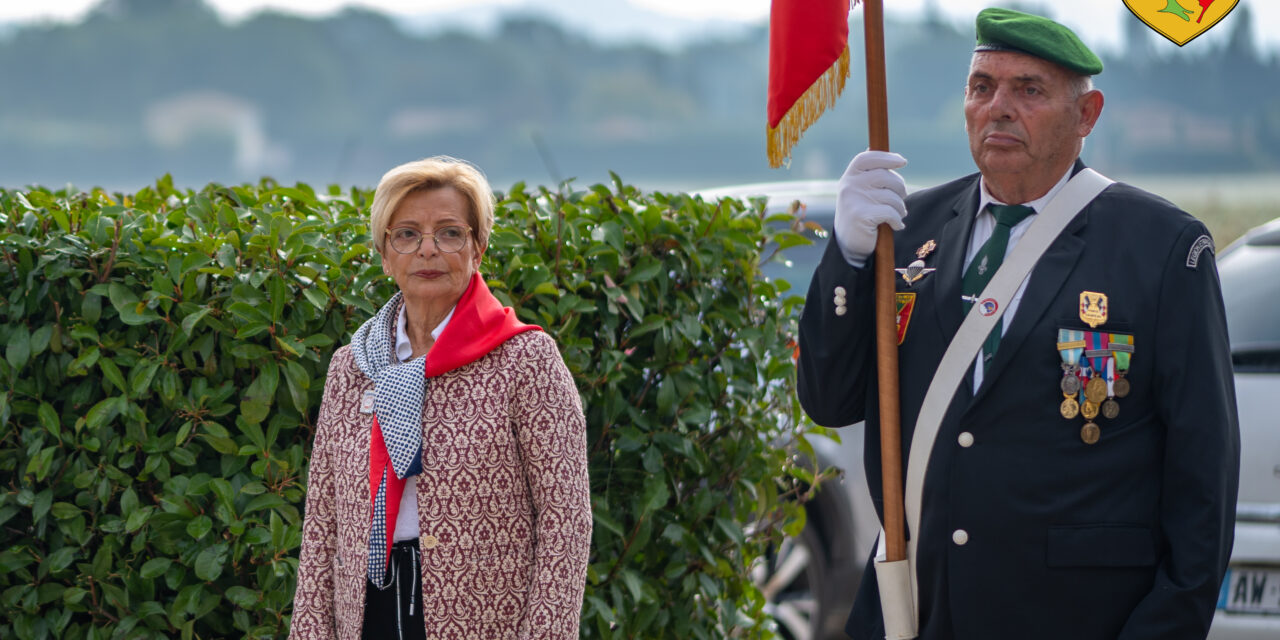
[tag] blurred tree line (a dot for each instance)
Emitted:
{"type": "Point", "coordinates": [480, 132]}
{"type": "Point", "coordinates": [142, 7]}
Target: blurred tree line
{"type": "Point", "coordinates": [143, 87]}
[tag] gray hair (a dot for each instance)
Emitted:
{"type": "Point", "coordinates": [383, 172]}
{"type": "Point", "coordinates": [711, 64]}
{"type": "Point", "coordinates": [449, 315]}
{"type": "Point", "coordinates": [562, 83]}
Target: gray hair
{"type": "Point", "coordinates": [1081, 84]}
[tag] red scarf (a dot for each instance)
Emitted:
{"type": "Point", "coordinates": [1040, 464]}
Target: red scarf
{"type": "Point", "coordinates": [479, 325]}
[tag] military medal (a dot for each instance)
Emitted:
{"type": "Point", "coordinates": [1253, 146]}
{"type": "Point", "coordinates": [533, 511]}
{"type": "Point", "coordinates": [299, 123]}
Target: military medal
{"type": "Point", "coordinates": [1089, 410]}
{"type": "Point", "coordinates": [1070, 346]}
{"type": "Point", "coordinates": [926, 249]}
{"type": "Point", "coordinates": [1121, 386]}
{"type": "Point", "coordinates": [1110, 409]}
{"type": "Point", "coordinates": [1069, 408]}
{"type": "Point", "coordinates": [1095, 390]}
{"type": "Point", "coordinates": [1070, 384]}
{"type": "Point", "coordinates": [1090, 433]}
{"type": "Point", "coordinates": [1121, 351]}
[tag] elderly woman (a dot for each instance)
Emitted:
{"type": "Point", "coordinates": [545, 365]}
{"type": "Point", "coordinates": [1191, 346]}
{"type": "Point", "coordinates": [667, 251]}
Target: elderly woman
{"type": "Point", "coordinates": [447, 496]}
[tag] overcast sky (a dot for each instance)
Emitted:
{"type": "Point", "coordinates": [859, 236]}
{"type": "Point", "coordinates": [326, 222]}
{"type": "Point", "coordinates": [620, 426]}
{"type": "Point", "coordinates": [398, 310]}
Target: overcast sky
{"type": "Point", "coordinates": [1097, 21]}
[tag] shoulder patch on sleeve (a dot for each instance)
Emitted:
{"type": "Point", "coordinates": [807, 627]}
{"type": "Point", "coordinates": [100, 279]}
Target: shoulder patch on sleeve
{"type": "Point", "coordinates": [1197, 248]}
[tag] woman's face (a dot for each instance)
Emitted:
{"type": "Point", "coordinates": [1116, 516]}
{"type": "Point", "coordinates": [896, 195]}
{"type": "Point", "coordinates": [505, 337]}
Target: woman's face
{"type": "Point", "coordinates": [429, 274]}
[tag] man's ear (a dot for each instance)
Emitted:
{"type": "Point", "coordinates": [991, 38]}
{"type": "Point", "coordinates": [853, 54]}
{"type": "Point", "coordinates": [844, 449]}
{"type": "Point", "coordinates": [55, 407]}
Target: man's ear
{"type": "Point", "coordinates": [1090, 105]}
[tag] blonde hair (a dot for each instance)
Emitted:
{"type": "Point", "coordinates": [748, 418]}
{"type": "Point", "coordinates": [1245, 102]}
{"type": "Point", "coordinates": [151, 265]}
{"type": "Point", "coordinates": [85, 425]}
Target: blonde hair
{"type": "Point", "coordinates": [433, 173]}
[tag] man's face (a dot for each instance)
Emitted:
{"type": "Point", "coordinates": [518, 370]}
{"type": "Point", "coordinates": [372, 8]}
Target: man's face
{"type": "Point", "coordinates": [1023, 116]}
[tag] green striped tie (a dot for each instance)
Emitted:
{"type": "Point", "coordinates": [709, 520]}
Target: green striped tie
{"type": "Point", "coordinates": [986, 262]}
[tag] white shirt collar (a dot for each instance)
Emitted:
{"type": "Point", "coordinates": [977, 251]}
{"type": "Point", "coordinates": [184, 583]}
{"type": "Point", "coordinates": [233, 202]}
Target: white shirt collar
{"type": "Point", "coordinates": [984, 198]}
{"type": "Point", "coordinates": [404, 350]}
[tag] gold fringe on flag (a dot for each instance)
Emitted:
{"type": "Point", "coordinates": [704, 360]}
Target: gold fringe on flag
{"type": "Point", "coordinates": [819, 97]}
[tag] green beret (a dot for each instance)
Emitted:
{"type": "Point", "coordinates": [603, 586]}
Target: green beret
{"type": "Point", "coordinates": [1008, 30]}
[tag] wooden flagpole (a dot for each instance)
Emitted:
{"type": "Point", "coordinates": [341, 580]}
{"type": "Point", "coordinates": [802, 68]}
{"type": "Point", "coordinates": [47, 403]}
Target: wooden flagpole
{"type": "Point", "coordinates": [886, 306]}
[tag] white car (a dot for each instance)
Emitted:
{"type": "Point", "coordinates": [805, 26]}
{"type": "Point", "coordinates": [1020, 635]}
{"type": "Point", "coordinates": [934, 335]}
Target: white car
{"type": "Point", "coordinates": [1249, 604]}
{"type": "Point", "coordinates": [811, 582]}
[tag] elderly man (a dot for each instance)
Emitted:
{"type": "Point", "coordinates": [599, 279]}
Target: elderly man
{"type": "Point", "coordinates": [1081, 481]}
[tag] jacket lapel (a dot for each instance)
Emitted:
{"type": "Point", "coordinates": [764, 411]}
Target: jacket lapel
{"type": "Point", "coordinates": [952, 246]}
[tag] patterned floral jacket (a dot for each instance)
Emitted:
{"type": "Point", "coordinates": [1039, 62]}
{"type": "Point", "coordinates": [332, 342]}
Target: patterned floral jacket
{"type": "Point", "coordinates": [503, 501]}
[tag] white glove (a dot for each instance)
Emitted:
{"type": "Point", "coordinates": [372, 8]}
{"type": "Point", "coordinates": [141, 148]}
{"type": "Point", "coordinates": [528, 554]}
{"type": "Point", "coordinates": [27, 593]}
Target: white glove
{"type": "Point", "coordinates": [870, 193]}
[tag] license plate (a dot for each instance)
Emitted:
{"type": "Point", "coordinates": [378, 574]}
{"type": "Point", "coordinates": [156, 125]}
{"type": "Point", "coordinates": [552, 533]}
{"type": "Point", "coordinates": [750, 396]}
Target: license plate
{"type": "Point", "coordinates": [1247, 590]}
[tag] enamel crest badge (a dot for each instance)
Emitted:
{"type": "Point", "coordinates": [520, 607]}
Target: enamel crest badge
{"type": "Point", "coordinates": [1181, 20]}
{"type": "Point", "coordinates": [1093, 308]}
{"type": "Point", "coordinates": [906, 303]}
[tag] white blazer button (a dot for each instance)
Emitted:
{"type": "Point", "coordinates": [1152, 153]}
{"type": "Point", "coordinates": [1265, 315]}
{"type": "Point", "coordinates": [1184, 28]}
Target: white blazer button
{"type": "Point", "coordinates": [960, 536]}
{"type": "Point", "coordinates": [841, 310]}
{"type": "Point", "coordinates": [839, 291]}
{"type": "Point", "coordinates": [966, 439]}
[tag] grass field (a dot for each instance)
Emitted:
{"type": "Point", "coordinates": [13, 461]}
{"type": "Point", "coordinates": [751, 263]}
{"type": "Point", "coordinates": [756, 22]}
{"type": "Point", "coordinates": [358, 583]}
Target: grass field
{"type": "Point", "coordinates": [1228, 205]}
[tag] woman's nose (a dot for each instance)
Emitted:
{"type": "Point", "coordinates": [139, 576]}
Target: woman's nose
{"type": "Point", "coordinates": [427, 247]}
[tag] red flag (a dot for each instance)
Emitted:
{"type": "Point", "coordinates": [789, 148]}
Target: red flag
{"type": "Point", "coordinates": [808, 65]}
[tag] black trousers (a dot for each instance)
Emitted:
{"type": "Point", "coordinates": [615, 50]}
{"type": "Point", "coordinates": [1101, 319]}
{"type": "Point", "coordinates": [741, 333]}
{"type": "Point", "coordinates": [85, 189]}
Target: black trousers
{"type": "Point", "coordinates": [394, 610]}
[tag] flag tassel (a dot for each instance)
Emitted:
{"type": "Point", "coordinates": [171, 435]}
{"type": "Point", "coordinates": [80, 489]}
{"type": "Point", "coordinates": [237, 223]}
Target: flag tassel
{"type": "Point", "coordinates": [819, 97]}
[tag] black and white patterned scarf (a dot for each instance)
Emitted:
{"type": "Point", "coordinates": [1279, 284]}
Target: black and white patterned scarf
{"type": "Point", "coordinates": [399, 390]}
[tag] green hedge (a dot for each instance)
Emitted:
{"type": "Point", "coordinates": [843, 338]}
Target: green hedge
{"type": "Point", "coordinates": [164, 355]}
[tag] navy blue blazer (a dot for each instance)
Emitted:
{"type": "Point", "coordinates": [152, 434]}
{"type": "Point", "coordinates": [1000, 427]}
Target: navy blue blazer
{"type": "Point", "coordinates": [1126, 538]}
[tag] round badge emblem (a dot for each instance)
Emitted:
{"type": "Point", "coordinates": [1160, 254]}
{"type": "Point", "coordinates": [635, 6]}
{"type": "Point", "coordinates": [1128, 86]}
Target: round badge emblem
{"type": "Point", "coordinates": [988, 306]}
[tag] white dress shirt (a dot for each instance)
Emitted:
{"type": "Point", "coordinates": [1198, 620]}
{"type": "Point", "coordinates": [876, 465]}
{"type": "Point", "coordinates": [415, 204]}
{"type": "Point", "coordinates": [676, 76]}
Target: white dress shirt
{"type": "Point", "coordinates": [407, 521]}
{"type": "Point", "coordinates": [983, 226]}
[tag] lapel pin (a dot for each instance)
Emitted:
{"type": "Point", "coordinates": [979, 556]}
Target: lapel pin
{"type": "Point", "coordinates": [914, 271]}
{"type": "Point", "coordinates": [1093, 308]}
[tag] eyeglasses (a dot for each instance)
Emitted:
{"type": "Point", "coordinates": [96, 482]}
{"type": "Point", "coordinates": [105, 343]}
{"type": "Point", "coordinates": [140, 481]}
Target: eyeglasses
{"type": "Point", "coordinates": [450, 239]}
